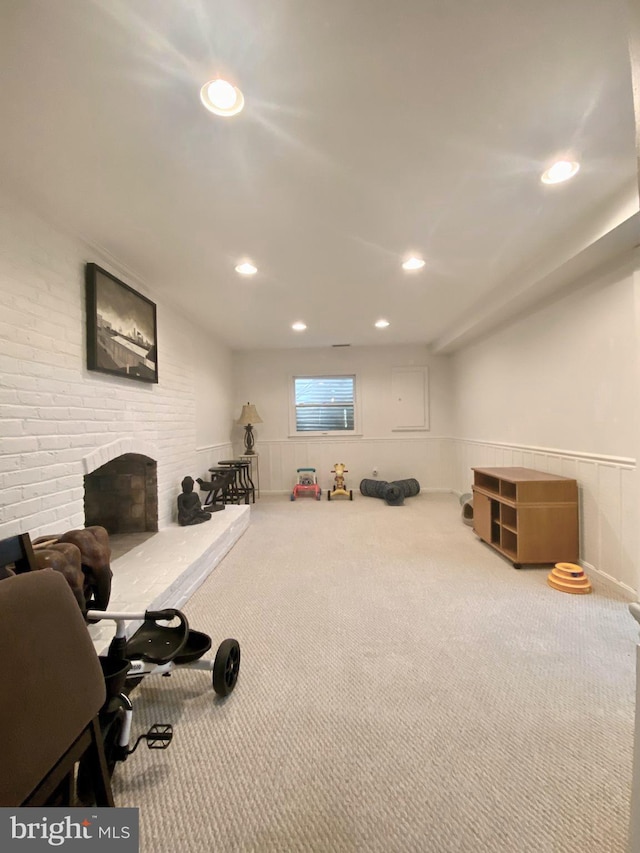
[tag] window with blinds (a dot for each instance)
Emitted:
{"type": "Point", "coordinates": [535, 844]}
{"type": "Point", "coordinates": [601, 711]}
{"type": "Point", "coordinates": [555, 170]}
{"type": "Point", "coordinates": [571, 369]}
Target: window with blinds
{"type": "Point", "coordinates": [324, 403]}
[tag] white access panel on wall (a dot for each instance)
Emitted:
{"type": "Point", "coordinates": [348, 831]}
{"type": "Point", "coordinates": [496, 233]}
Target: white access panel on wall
{"type": "Point", "coordinates": [410, 398]}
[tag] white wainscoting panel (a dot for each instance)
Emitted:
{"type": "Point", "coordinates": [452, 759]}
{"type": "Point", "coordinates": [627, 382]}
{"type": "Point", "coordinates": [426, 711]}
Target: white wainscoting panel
{"type": "Point", "coordinates": [428, 459]}
{"type": "Point", "coordinates": [629, 529]}
{"type": "Point", "coordinates": [608, 496]}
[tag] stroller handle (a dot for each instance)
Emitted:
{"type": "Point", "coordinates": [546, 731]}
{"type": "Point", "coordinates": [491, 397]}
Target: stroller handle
{"type": "Point", "coordinates": [158, 643]}
{"type": "Point", "coordinates": [158, 615]}
{"type": "Point", "coordinates": [124, 616]}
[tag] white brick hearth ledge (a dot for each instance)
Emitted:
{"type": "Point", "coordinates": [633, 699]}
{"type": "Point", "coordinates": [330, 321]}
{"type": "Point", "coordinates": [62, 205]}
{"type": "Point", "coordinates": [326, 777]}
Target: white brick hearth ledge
{"type": "Point", "coordinates": [169, 567]}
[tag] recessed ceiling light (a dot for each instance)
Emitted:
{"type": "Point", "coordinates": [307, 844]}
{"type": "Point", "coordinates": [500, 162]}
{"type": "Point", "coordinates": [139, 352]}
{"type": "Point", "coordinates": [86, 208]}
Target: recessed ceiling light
{"type": "Point", "coordinates": [560, 171]}
{"type": "Point", "coordinates": [413, 263]}
{"type": "Point", "coordinates": [381, 324]}
{"type": "Point", "coordinates": [222, 98]}
{"type": "Point", "coordinates": [299, 327]}
{"type": "Point", "coordinates": [246, 269]}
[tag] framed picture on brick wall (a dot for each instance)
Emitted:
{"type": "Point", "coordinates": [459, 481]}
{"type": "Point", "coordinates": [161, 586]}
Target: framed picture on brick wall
{"type": "Point", "coordinates": [122, 336]}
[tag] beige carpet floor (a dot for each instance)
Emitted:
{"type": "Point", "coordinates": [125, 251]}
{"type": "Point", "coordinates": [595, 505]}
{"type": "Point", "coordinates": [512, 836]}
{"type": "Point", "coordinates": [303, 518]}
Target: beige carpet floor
{"type": "Point", "coordinates": [402, 689]}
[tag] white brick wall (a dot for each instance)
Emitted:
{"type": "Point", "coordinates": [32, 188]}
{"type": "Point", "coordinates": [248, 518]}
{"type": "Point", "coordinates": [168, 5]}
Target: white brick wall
{"type": "Point", "coordinates": [57, 418]}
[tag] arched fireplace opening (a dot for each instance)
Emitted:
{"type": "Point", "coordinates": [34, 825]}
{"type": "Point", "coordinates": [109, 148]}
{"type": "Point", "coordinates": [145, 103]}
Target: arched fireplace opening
{"type": "Point", "coordinates": [122, 495]}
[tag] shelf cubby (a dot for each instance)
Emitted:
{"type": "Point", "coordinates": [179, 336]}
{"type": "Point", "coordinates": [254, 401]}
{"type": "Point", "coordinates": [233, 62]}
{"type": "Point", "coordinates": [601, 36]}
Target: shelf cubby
{"type": "Point", "coordinates": [509, 516]}
{"type": "Point", "coordinates": [489, 484]}
{"type": "Point", "coordinates": [509, 541]}
{"type": "Point", "coordinates": [508, 490]}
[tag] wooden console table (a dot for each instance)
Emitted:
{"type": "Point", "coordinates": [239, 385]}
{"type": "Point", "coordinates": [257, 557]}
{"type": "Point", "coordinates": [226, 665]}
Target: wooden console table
{"type": "Point", "coordinates": [528, 516]}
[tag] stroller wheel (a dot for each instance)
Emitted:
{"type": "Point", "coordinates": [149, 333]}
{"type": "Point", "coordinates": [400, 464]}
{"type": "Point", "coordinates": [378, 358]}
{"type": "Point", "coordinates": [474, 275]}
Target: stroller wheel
{"type": "Point", "coordinates": [226, 667]}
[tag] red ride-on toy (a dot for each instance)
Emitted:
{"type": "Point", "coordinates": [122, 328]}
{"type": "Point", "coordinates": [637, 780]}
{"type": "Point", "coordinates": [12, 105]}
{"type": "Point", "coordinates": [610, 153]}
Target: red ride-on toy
{"type": "Point", "coordinates": [307, 484]}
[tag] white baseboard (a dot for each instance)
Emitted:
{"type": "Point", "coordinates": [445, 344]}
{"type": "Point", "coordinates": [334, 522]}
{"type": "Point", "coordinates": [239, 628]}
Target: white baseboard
{"type": "Point", "coordinates": [623, 587]}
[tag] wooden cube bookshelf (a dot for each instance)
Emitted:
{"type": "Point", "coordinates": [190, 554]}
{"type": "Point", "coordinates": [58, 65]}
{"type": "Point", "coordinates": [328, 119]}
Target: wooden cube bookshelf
{"type": "Point", "coordinates": [527, 516]}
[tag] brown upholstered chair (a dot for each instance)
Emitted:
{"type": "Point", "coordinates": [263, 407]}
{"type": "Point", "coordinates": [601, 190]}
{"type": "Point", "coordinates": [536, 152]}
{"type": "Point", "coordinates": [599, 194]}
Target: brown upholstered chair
{"type": "Point", "coordinates": [52, 688]}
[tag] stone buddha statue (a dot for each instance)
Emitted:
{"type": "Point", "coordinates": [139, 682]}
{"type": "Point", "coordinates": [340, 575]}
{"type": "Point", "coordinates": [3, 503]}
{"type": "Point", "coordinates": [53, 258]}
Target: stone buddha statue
{"type": "Point", "coordinates": [190, 509]}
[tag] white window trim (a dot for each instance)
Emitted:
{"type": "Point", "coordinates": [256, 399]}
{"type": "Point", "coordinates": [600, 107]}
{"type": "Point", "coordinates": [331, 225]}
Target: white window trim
{"type": "Point", "coordinates": [344, 434]}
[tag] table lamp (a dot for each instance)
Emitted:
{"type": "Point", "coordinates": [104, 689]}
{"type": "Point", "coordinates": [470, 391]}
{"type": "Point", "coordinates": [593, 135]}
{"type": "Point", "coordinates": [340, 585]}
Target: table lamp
{"type": "Point", "coordinates": [248, 417]}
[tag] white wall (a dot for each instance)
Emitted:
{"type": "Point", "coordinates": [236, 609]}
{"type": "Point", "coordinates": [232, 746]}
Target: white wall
{"type": "Point", "coordinates": [563, 377]}
{"type": "Point", "coordinates": [213, 391]}
{"type": "Point", "coordinates": [557, 391]}
{"type": "Point", "coordinates": [55, 414]}
{"type": "Point", "coordinates": [263, 378]}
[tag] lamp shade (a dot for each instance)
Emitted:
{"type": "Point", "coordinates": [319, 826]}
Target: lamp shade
{"type": "Point", "coordinates": [249, 415]}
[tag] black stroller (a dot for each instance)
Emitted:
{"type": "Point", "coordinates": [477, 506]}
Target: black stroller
{"type": "Point", "coordinates": [154, 649]}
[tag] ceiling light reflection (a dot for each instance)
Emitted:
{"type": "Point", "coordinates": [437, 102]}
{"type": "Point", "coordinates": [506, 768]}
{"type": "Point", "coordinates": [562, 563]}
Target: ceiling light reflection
{"type": "Point", "coordinates": [246, 269]}
{"type": "Point", "coordinates": [560, 171]}
{"type": "Point", "coordinates": [413, 263]}
{"type": "Point", "coordinates": [222, 98]}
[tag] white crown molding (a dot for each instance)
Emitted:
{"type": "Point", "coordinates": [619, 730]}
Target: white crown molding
{"type": "Point", "coordinates": [118, 267]}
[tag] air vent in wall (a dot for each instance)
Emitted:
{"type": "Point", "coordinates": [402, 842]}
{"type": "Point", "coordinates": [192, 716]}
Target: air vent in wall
{"type": "Point", "coordinates": [340, 345]}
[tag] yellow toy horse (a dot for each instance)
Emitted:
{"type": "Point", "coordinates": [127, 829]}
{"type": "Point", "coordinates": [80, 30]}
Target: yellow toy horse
{"type": "Point", "coordinates": [339, 489]}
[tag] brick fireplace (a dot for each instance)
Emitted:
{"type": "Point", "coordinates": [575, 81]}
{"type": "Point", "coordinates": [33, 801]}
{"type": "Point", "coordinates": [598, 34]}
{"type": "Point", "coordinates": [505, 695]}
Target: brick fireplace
{"type": "Point", "coordinates": [122, 495]}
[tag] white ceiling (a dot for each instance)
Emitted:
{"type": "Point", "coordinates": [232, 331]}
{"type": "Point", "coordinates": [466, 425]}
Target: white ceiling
{"type": "Point", "coordinates": [371, 129]}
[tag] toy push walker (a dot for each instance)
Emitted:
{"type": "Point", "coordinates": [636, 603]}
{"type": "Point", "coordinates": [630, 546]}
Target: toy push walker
{"type": "Point", "coordinates": [307, 484]}
{"type": "Point", "coordinates": [339, 489]}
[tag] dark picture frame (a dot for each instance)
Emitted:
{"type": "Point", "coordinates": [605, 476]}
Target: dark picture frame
{"type": "Point", "coordinates": [122, 335]}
